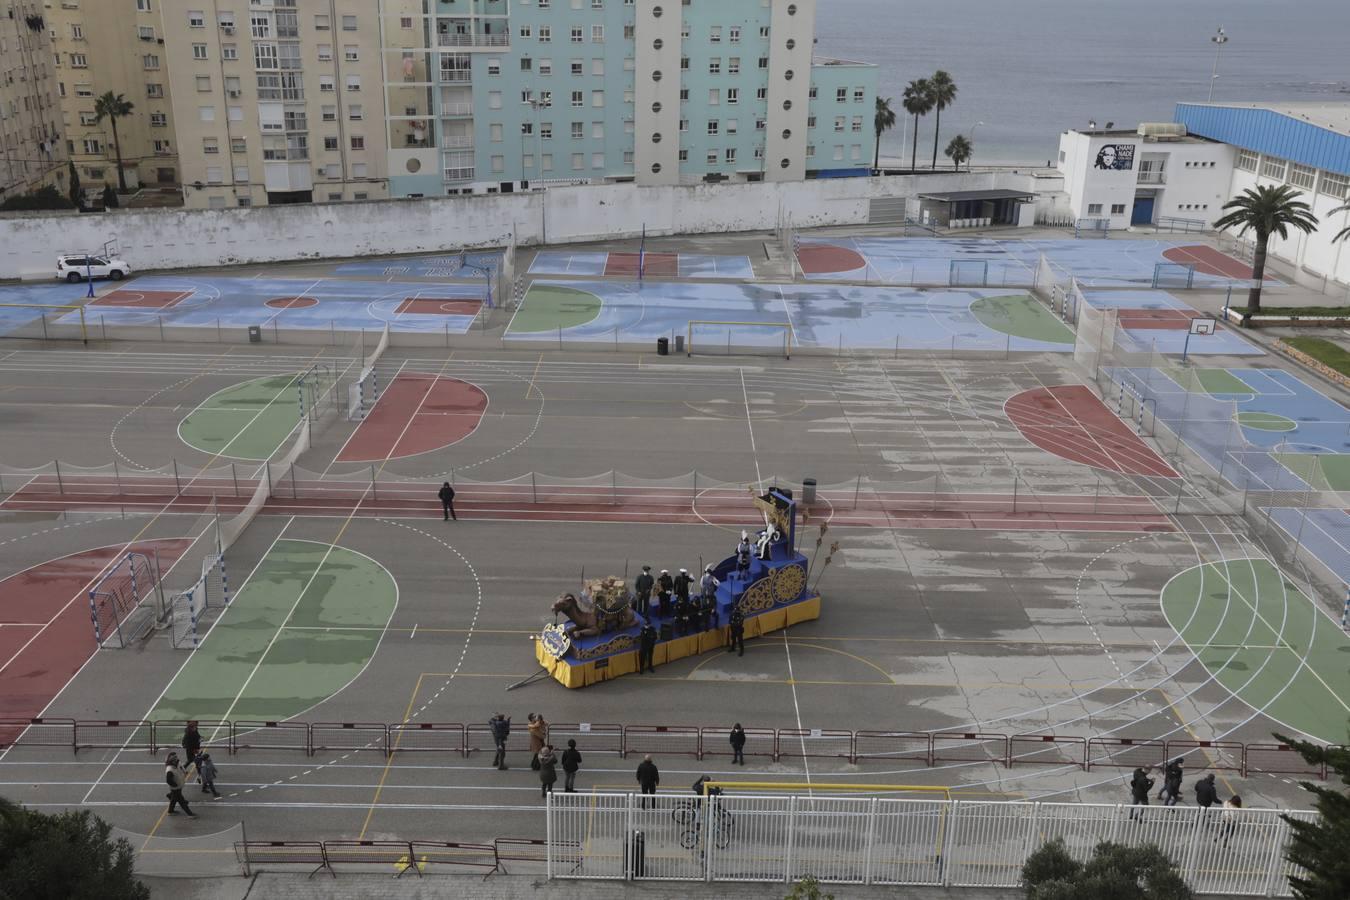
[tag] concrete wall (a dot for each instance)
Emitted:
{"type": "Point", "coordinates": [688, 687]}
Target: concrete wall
{"type": "Point", "coordinates": [1315, 258]}
{"type": "Point", "coordinates": [171, 239]}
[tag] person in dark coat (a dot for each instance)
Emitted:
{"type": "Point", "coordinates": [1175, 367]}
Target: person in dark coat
{"type": "Point", "coordinates": [548, 771]}
{"type": "Point", "coordinates": [643, 586]}
{"type": "Point", "coordinates": [681, 615]}
{"type": "Point", "coordinates": [447, 495]}
{"type": "Point", "coordinates": [646, 649]}
{"type": "Point", "coordinates": [1206, 795]}
{"type": "Point", "coordinates": [1170, 794]}
{"type": "Point", "coordinates": [661, 606]}
{"type": "Point", "coordinates": [647, 778]}
{"type": "Point", "coordinates": [571, 762]}
{"type": "Point", "coordinates": [1140, 785]}
{"type": "Point", "coordinates": [665, 582]}
{"type": "Point", "coordinates": [176, 778]}
{"type": "Point", "coordinates": [501, 730]}
{"type": "Point", "coordinates": [743, 556]}
{"type": "Point", "coordinates": [737, 623]}
{"type": "Point", "coordinates": [682, 583]}
{"type": "Point", "coordinates": [737, 744]}
{"type": "Point", "coordinates": [192, 741]}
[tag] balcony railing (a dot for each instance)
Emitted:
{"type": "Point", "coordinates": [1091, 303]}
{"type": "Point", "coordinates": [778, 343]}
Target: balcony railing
{"type": "Point", "coordinates": [473, 40]}
{"type": "Point", "coordinates": [456, 141]}
{"type": "Point", "coordinates": [456, 76]}
{"type": "Point", "coordinates": [1152, 177]}
{"type": "Point", "coordinates": [456, 109]}
{"type": "Point", "coordinates": [463, 174]}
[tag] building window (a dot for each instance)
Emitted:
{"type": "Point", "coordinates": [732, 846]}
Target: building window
{"type": "Point", "coordinates": [238, 145]}
{"type": "Point", "coordinates": [730, 155]}
{"type": "Point", "coordinates": [1247, 160]}
{"type": "Point", "coordinates": [499, 163]}
{"type": "Point", "coordinates": [628, 157]}
{"type": "Point", "coordinates": [577, 34]}
{"type": "Point", "coordinates": [578, 130]}
{"type": "Point", "coordinates": [196, 18]}
{"type": "Point", "coordinates": [80, 61]}
{"type": "Point", "coordinates": [734, 65]}
{"type": "Point", "coordinates": [598, 131]}
{"type": "Point", "coordinates": [734, 34]}
{"type": "Point", "coordinates": [494, 99]}
{"type": "Point", "coordinates": [1302, 176]}
{"type": "Point", "coordinates": [597, 160]}
{"type": "Point", "coordinates": [325, 52]}
{"type": "Point", "coordinates": [1117, 209]}
{"type": "Point", "coordinates": [714, 127]}
{"type": "Point", "coordinates": [684, 156]}
{"type": "Point", "coordinates": [494, 67]}
{"type": "Point", "coordinates": [358, 142]}
{"type": "Point", "coordinates": [839, 122]}
{"type": "Point", "coordinates": [330, 142]}
{"type": "Point", "coordinates": [349, 23]}
{"type": "Point", "coordinates": [545, 34]}
{"type": "Point", "coordinates": [321, 23]}
{"type": "Point", "coordinates": [215, 174]}
{"type": "Point", "coordinates": [578, 162]}
{"type": "Point", "coordinates": [350, 52]}
{"type": "Point", "coordinates": [597, 66]}
{"type": "Point", "coordinates": [545, 67]}
{"type": "Point", "coordinates": [1334, 185]}
{"type": "Point", "coordinates": [525, 31]}
{"type": "Point", "coordinates": [733, 126]}
{"type": "Point", "coordinates": [1273, 167]}
{"type": "Point", "coordinates": [146, 32]}
{"type": "Point", "coordinates": [715, 66]}
{"type": "Point", "coordinates": [325, 84]}
{"type": "Point", "coordinates": [597, 99]}
{"type": "Point", "coordinates": [229, 51]}
{"type": "Point", "coordinates": [762, 93]}
{"type": "Point", "coordinates": [546, 131]}
{"type": "Point", "coordinates": [684, 125]}
{"type": "Point", "coordinates": [597, 34]}
{"type": "Point", "coordinates": [712, 157]}
{"type": "Point", "coordinates": [1094, 209]}
{"type": "Point", "coordinates": [76, 32]}
{"type": "Point", "coordinates": [733, 95]}
{"type": "Point", "coordinates": [857, 123]}
{"type": "Point", "coordinates": [151, 90]}
{"type": "Point", "coordinates": [206, 113]}
{"type": "Point", "coordinates": [354, 83]}
{"type": "Point", "coordinates": [810, 151]}
{"type": "Point", "coordinates": [859, 95]}
{"type": "Point", "coordinates": [203, 82]}
{"type": "Point", "coordinates": [578, 98]}
{"type": "Point", "coordinates": [159, 120]}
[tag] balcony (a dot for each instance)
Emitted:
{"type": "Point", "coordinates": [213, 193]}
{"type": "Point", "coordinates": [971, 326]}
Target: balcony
{"type": "Point", "coordinates": [456, 76]}
{"type": "Point", "coordinates": [451, 142]}
{"type": "Point", "coordinates": [460, 174]}
{"type": "Point", "coordinates": [473, 40]}
{"type": "Point", "coordinates": [1152, 176]}
{"type": "Point", "coordinates": [456, 109]}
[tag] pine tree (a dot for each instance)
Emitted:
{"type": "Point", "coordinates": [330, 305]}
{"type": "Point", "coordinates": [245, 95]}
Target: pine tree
{"type": "Point", "coordinates": [1319, 846]}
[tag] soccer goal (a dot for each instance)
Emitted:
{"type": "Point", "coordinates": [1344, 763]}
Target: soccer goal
{"type": "Point", "coordinates": [1174, 275]}
{"type": "Point", "coordinates": [117, 602]}
{"type": "Point", "coordinates": [707, 337]}
{"type": "Point", "coordinates": [968, 273]}
{"type": "Point", "coordinates": [362, 394]}
{"type": "Point", "coordinates": [186, 608]}
{"type": "Point", "coordinates": [1090, 228]}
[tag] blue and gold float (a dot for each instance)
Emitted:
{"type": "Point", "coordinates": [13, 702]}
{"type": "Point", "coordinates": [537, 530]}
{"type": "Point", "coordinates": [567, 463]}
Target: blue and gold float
{"type": "Point", "coordinates": [601, 640]}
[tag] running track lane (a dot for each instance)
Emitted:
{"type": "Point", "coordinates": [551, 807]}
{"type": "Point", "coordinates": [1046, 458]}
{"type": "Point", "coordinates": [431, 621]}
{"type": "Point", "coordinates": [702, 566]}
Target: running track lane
{"type": "Point", "coordinates": [416, 414]}
{"type": "Point", "coordinates": [581, 504]}
{"type": "Point", "coordinates": [1070, 422]}
{"type": "Point", "coordinates": [45, 632]}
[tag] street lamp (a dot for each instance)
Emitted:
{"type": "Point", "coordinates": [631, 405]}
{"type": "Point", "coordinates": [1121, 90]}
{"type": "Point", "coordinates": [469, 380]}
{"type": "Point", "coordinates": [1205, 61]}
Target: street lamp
{"type": "Point", "coordinates": [972, 144]}
{"type": "Point", "coordinates": [1218, 39]}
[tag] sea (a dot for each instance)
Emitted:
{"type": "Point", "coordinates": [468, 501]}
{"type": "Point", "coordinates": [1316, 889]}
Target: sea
{"type": "Point", "coordinates": [1031, 69]}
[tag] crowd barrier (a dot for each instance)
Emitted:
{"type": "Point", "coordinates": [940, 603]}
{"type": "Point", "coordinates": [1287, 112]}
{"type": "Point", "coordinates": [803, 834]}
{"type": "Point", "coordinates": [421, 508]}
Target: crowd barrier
{"type": "Point", "coordinates": [923, 749]}
{"type": "Point", "coordinates": [401, 856]}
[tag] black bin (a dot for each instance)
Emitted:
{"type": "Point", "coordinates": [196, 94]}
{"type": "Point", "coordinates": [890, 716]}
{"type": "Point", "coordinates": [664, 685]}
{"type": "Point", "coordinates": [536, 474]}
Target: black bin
{"type": "Point", "coordinates": [255, 334]}
{"type": "Point", "coordinates": [808, 492]}
{"type": "Point", "coordinates": [662, 346]}
{"type": "Point", "coordinates": [637, 855]}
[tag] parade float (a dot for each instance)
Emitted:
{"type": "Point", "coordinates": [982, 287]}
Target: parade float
{"type": "Point", "coordinates": [600, 639]}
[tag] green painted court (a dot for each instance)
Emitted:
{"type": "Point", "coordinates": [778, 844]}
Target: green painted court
{"type": "Point", "coordinates": [548, 307]}
{"type": "Point", "coordinates": [249, 420]}
{"type": "Point", "coordinates": [1021, 315]}
{"type": "Point", "coordinates": [1264, 421]}
{"type": "Point", "coordinates": [304, 625]}
{"type": "Point", "coordinates": [1324, 471]}
{"type": "Point", "coordinates": [1264, 641]}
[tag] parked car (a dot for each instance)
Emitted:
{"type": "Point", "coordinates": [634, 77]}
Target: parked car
{"type": "Point", "coordinates": [77, 268]}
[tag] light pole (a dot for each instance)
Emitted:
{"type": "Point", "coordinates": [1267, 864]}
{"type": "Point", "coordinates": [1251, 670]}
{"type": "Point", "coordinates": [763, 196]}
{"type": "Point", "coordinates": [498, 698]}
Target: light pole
{"type": "Point", "coordinates": [1218, 39]}
{"type": "Point", "coordinates": [972, 144]}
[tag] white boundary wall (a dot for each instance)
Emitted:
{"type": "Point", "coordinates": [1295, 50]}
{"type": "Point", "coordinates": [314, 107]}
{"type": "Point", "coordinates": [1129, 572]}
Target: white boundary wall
{"type": "Point", "coordinates": [175, 239]}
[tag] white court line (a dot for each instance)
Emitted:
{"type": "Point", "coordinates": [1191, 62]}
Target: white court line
{"type": "Point", "coordinates": [750, 424]}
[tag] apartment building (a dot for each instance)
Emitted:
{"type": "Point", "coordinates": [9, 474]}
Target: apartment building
{"type": "Point", "coordinates": [114, 45]}
{"type": "Point", "coordinates": [485, 96]}
{"type": "Point", "coordinates": [276, 101]}
{"type": "Point", "coordinates": [31, 151]}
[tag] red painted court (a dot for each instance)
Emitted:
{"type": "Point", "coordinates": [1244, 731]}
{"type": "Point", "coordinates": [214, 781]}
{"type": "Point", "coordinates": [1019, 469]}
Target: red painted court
{"type": "Point", "coordinates": [1070, 422]}
{"type": "Point", "coordinates": [440, 306]}
{"type": "Point", "coordinates": [667, 264]}
{"type": "Point", "coordinates": [824, 259]}
{"type": "Point", "coordinates": [1209, 261]}
{"type": "Point", "coordinates": [291, 302]}
{"type": "Point", "coordinates": [45, 632]}
{"type": "Point", "coordinates": [141, 299]}
{"type": "Point", "coordinates": [416, 414]}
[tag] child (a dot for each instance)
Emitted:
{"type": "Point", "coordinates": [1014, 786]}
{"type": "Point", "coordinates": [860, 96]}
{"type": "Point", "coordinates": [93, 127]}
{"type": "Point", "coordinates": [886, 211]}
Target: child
{"type": "Point", "coordinates": [207, 771]}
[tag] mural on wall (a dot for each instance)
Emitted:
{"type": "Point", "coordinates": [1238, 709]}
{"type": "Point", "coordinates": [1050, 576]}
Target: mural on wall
{"type": "Point", "coordinates": [1115, 156]}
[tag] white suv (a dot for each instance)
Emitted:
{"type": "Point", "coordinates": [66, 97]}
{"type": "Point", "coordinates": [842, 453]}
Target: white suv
{"type": "Point", "coordinates": [77, 268]}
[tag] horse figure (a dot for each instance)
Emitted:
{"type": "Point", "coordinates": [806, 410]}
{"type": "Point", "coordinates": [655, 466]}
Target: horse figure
{"type": "Point", "coordinates": [592, 622]}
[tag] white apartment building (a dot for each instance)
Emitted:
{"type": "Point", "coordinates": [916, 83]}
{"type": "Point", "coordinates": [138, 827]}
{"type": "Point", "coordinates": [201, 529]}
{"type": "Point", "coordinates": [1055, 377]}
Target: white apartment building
{"type": "Point", "coordinates": [31, 151]}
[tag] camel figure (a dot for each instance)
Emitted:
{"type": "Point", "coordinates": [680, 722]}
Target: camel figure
{"type": "Point", "coordinates": [591, 622]}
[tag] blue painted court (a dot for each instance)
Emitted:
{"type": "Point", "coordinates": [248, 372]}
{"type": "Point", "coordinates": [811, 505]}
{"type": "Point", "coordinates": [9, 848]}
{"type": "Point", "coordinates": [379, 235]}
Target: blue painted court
{"type": "Point", "coordinates": [1010, 261]}
{"type": "Point", "coordinates": [1158, 321]}
{"type": "Point", "coordinates": [665, 265]}
{"type": "Point", "coordinates": [16, 319]}
{"type": "Point", "coordinates": [817, 315]}
{"type": "Point", "coordinates": [440, 267]}
{"type": "Point", "coordinates": [1324, 532]}
{"type": "Point", "coordinates": [319, 304]}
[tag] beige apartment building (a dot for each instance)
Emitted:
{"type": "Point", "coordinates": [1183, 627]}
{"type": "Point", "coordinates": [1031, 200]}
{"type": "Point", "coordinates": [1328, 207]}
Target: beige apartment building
{"type": "Point", "coordinates": [31, 152]}
{"type": "Point", "coordinates": [276, 101]}
{"type": "Point", "coordinates": [118, 46]}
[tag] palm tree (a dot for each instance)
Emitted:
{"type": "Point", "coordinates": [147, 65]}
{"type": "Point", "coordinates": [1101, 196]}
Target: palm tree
{"type": "Point", "coordinates": [958, 150]}
{"type": "Point", "coordinates": [112, 107]}
{"type": "Point", "coordinates": [882, 121]}
{"type": "Point", "coordinates": [1344, 232]}
{"type": "Point", "coordinates": [1266, 210]}
{"type": "Point", "coordinates": [942, 92]}
{"type": "Point", "coordinates": [917, 101]}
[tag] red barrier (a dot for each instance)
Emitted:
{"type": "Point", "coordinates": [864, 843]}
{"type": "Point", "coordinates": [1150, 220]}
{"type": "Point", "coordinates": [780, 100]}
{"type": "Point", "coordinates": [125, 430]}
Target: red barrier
{"type": "Point", "coordinates": [1125, 753]}
{"type": "Point", "coordinates": [398, 854]}
{"type": "Point", "coordinates": [454, 853]}
{"type": "Point", "coordinates": [168, 734]}
{"type": "Point", "coordinates": [589, 736]}
{"type": "Point", "coordinates": [478, 738]}
{"type": "Point", "coordinates": [1280, 759]}
{"type": "Point", "coordinates": [350, 736]}
{"type": "Point", "coordinates": [292, 853]}
{"type": "Point", "coordinates": [1047, 750]}
{"type": "Point", "coordinates": [426, 737]}
{"type": "Point", "coordinates": [115, 734]}
{"type": "Point", "coordinates": [822, 743]}
{"type": "Point", "coordinates": [969, 746]}
{"type": "Point", "coordinates": [664, 740]}
{"type": "Point", "coordinates": [37, 733]}
{"type": "Point", "coordinates": [1218, 755]}
{"type": "Point", "coordinates": [894, 746]}
{"type": "Point", "coordinates": [758, 742]}
{"type": "Point", "coordinates": [250, 735]}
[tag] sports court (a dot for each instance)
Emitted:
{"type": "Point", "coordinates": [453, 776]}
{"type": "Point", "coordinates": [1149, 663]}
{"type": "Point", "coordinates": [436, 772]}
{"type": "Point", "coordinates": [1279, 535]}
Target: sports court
{"type": "Point", "coordinates": [21, 305]}
{"type": "Point", "coordinates": [1159, 321]}
{"type": "Point", "coordinates": [816, 316]}
{"type": "Point", "coordinates": [463, 267]}
{"type": "Point", "coordinates": [652, 265]}
{"type": "Point", "coordinates": [1009, 261]}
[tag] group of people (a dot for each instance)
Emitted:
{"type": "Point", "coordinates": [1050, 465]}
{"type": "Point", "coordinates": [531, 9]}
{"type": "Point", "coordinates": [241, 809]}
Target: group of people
{"type": "Point", "coordinates": [199, 767]}
{"type": "Point", "coordinates": [1206, 794]}
{"type": "Point", "coordinates": [671, 597]}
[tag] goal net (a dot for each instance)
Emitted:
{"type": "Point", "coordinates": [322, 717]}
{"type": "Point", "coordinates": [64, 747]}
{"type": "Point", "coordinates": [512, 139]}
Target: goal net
{"type": "Point", "coordinates": [968, 273]}
{"type": "Point", "coordinates": [187, 607]}
{"type": "Point", "coordinates": [117, 601]}
{"type": "Point", "coordinates": [1173, 275]}
{"type": "Point", "coordinates": [708, 337]}
{"type": "Point", "coordinates": [1092, 228]}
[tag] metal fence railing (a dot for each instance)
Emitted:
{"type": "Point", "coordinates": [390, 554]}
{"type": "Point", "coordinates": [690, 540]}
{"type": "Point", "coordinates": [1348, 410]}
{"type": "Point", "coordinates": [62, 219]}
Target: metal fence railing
{"type": "Point", "coordinates": [871, 840]}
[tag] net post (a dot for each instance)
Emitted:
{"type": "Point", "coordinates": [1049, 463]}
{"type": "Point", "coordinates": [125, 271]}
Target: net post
{"type": "Point", "coordinates": [117, 477]}
{"type": "Point", "coordinates": [84, 331]}
{"type": "Point", "coordinates": [177, 485]}
{"type": "Point", "coordinates": [60, 487]}
{"type": "Point", "coordinates": [374, 491]}
{"type": "Point", "coordinates": [234, 477]}
{"type": "Point", "coordinates": [43, 315]}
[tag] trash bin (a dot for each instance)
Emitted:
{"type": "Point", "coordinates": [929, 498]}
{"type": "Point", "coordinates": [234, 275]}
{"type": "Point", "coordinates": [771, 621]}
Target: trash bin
{"type": "Point", "coordinates": [637, 855]}
{"type": "Point", "coordinates": [663, 346]}
{"type": "Point", "coordinates": [255, 334]}
{"type": "Point", "coordinates": [679, 343]}
{"type": "Point", "coordinates": [808, 492]}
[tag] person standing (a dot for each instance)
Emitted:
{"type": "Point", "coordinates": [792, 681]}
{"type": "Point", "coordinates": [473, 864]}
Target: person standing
{"type": "Point", "coordinates": [737, 623]}
{"type": "Point", "coordinates": [644, 584]}
{"type": "Point", "coordinates": [682, 583]}
{"type": "Point", "coordinates": [743, 556]}
{"type": "Point", "coordinates": [662, 605]}
{"type": "Point", "coordinates": [647, 778]}
{"type": "Point", "coordinates": [1230, 817]}
{"type": "Point", "coordinates": [665, 582]}
{"type": "Point", "coordinates": [1140, 785]}
{"type": "Point", "coordinates": [538, 729]}
{"type": "Point", "coordinates": [175, 778]}
{"type": "Point", "coordinates": [646, 649]}
{"type": "Point", "coordinates": [1206, 795]}
{"type": "Point", "coordinates": [192, 741]}
{"type": "Point", "coordinates": [501, 730]}
{"type": "Point", "coordinates": [681, 615]}
{"type": "Point", "coordinates": [1170, 795]}
{"type": "Point", "coordinates": [207, 771]}
{"type": "Point", "coordinates": [548, 770]}
{"type": "Point", "coordinates": [737, 744]}
{"type": "Point", "coordinates": [447, 495]}
{"type": "Point", "coordinates": [571, 762]}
